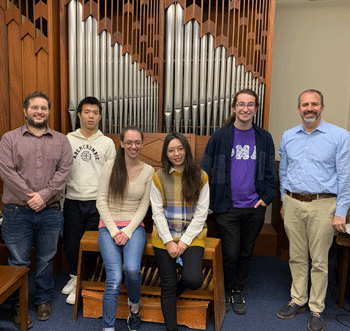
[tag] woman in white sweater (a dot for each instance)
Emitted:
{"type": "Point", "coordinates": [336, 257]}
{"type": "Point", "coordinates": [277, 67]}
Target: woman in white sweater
{"type": "Point", "coordinates": [122, 200]}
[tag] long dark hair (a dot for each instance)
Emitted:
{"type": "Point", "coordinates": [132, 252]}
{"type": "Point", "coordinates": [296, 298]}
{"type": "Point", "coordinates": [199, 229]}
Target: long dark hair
{"type": "Point", "coordinates": [248, 91]}
{"type": "Point", "coordinates": [191, 176]}
{"type": "Point", "coordinates": [119, 176]}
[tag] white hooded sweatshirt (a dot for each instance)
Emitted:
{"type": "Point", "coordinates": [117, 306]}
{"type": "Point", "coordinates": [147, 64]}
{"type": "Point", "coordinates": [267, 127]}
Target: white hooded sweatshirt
{"type": "Point", "coordinates": [89, 155]}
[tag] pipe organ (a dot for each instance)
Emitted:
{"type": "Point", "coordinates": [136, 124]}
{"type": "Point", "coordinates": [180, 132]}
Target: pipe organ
{"type": "Point", "coordinates": [165, 65]}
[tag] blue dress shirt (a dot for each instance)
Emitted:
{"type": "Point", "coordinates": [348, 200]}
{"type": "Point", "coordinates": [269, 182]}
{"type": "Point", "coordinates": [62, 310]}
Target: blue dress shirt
{"type": "Point", "coordinates": [317, 162]}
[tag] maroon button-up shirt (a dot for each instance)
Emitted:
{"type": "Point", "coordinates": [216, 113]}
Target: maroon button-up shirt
{"type": "Point", "coordinates": [31, 164]}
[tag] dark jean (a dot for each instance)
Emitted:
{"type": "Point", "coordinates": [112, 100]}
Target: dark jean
{"type": "Point", "coordinates": [23, 228]}
{"type": "Point", "coordinates": [192, 276]}
{"type": "Point", "coordinates": [79, 216]}
{"type": "Point", "coordinates": [238, 230]}
{"type": "Point", "coordinates": [114, 256]}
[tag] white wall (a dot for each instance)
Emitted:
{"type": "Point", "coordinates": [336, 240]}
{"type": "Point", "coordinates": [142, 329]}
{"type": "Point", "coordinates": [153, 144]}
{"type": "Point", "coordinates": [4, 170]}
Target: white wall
{"type": "Point", "coordinates": [311, 50]}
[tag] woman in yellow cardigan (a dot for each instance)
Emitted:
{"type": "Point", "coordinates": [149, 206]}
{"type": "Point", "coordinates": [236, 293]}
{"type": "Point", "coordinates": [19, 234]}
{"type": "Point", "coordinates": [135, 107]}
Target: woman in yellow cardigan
{"type": "Point", "coordinates": [180, 202]}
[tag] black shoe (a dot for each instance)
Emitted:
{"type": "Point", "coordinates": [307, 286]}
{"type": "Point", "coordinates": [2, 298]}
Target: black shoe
{"type": "Point", "coordinates": [228, 300]}
{"type": "Point", "coordinates": [238, 303]}
{"type": "Point", "coordinates": [17, 318]}
{"type": "Point", "coordinates": [290, 310]}
{"type": "Point", "coordinates": [316, 322]}
{"type": "Point", "coordinates": [134, 321]}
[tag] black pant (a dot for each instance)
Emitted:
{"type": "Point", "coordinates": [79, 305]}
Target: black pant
{"type": "Point", "coordinates": [191, 274]}
{"type": "Point", "coordinates": [238, 230]}
{"type": "Point", "coordinates": [79, 216]}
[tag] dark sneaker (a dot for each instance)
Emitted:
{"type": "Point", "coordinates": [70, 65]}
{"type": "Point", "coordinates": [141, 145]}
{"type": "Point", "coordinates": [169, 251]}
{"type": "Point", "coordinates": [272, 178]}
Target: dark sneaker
{"type": "Point", "coordinates": [134, 321]}
{"type": "Point", "coordinates": [290, 310]}
{"type": "Point", "coordinates": [316, 322]}
{"type": "Point", "coordinates": [238, 303]}
{"type": "Point", "coordinates": [17, 318]}
{"type": "Point", "coordinates": [228, 300]}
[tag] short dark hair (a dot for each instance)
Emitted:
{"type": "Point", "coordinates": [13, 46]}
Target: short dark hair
{"type": "Point", "coordinates": [91, 101]}
{"type": "Point", "coordinates": [311, 91]}
{"type": "Point", "coordinates": [248, 91]}
{"type": "Point", "coordinates": [33, 95]}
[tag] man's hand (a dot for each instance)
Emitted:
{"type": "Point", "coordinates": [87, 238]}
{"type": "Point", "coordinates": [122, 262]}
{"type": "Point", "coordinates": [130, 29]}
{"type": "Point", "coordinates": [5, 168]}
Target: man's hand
{"type": "Point", "coordinates": [260, 202]}
{"type": "Point", "coordinates": [121, 238]}
{"type": "Point", "coordinates": [172, 249]}
{"type": "Point", "coordinates": [36, 202]}
{"type": "Point", "coordinates": [339, 223]}
{"type": "Point", "coordinates": [282, 212]}
{"type": "Point", "coordinates": [181, 247]}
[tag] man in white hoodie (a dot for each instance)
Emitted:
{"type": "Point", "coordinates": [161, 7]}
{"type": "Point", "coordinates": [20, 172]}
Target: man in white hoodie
{"type": "Point", "coordinates": [91, 149]}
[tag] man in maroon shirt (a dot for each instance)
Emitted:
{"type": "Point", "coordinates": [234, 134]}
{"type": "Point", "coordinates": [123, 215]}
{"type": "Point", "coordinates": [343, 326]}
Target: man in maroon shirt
{"type": "Point", "coordinates": [34, 165]}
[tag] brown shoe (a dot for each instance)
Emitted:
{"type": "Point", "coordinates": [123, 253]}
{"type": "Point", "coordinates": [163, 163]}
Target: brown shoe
{"type": "Point", "coordinates": [44, 311]}
{"type": "Point", "coordinates": [17, 318]}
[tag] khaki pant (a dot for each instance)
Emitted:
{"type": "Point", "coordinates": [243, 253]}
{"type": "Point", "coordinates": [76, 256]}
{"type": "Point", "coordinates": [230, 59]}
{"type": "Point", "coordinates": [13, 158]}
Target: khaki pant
{"type": "Point", "coordinates": [309, 229]}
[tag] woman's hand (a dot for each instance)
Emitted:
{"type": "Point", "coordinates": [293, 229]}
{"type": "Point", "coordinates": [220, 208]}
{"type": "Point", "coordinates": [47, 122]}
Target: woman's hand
{"type": "Point", "coordinates": [120, 238]}
{"type": "Point", "coordinates": [181, 247]}
{"type": "Point", "coordinates": [172, 249]}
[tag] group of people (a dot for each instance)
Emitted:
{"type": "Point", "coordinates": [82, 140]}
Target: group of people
{"type": "Point", "coordinates": [111, 191]}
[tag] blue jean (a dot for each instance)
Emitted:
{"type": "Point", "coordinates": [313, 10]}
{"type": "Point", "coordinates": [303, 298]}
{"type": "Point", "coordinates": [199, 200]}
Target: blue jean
{"type": "Point", "coordinates": [113, 257]}
{"type": "Point", "coordinates": [23, 228]}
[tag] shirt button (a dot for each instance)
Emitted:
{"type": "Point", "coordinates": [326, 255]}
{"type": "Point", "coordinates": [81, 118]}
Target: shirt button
{"type": "Point", "coordinates": [304, 159]}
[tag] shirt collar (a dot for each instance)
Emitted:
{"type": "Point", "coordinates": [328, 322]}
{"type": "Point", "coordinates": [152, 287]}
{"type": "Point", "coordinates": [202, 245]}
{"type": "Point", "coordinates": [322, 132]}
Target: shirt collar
{"type": "Point", "coordinates": [172, 169]}
{"type": "Point", "coordinates": [322, 127]}
{"type": "Point", "coordinates": [26, 130]}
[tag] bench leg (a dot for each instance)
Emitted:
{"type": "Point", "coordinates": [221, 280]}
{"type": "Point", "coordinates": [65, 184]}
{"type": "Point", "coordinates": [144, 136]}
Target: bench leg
{"type": "Point", "coordinates": [343, 274]}
{"type": "Point", "coordinates": [219, 291]}
{"type": "Point", "coordinates": [79, 280]}
{"type": "Point", "coordinates": [23, 302]}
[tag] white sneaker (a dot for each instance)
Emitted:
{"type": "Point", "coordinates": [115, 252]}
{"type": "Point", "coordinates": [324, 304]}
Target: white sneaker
{"type": "Point", "coordinates": [72, 283]}
{"type": "Point", "coordinates": [71, 297]}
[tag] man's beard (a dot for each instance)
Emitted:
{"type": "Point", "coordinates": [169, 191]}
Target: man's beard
{"type": "Point", "coordinates": [310, 119]}
{"type": "Point", "coordinates": [34, 124]}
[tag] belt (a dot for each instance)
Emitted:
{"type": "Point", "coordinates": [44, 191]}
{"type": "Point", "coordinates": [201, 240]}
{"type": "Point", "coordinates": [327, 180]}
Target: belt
{"type": "Point", "coordinates": [51, 205]}
{"type": "Point", "coordinates": [310, 197]}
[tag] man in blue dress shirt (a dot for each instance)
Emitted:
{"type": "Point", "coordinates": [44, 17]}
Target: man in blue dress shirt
{"type": "Point", "coordinates": [315, 189]}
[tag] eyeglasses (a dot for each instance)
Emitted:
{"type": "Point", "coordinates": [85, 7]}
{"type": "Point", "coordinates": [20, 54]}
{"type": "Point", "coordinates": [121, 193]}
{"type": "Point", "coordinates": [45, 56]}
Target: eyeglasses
{"type": "Point", "coordinates": [242, 105]}
{"type": "Point", "coordinates": [129, 144]}
{"type": "Point", "coordinates": [43, 108]}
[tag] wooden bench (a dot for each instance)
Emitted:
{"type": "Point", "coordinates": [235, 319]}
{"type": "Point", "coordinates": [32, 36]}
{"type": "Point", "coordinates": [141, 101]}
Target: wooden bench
{"type": "Point", "coordinates": [193, 306]}
{"type": "Point", "coordinates": [12, 279]}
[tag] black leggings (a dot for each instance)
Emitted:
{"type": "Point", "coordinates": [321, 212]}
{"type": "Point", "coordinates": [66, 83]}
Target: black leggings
{"type": "Point", "coordinates": [191, 274]}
